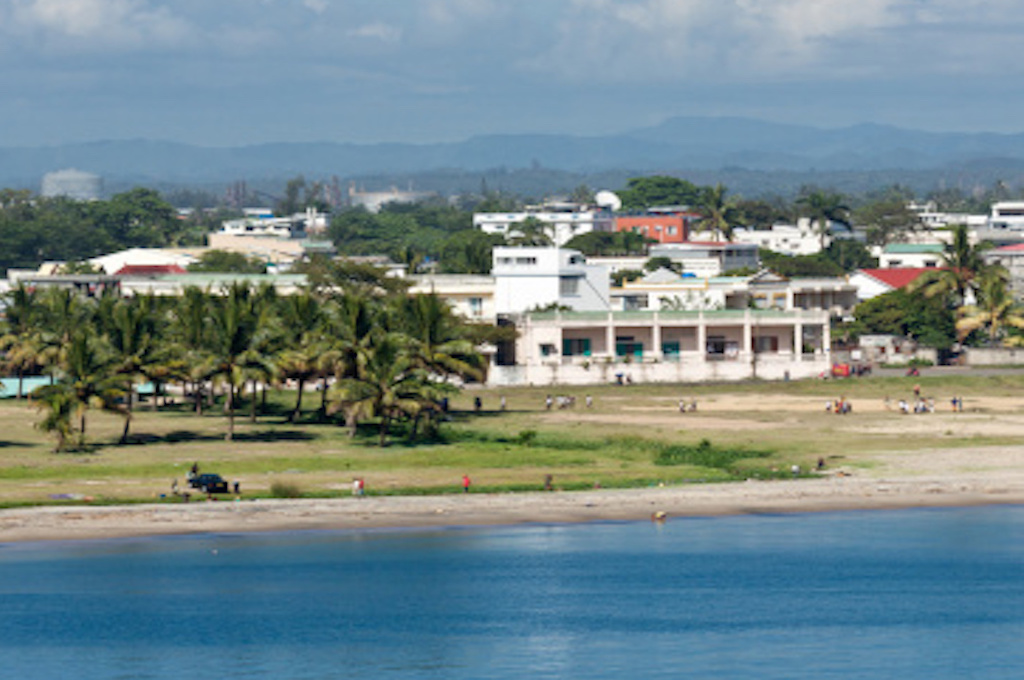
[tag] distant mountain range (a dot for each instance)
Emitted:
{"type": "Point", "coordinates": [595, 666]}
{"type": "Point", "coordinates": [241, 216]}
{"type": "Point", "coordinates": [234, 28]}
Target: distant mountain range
{"type": "Point", "coordinates": [728, 145]}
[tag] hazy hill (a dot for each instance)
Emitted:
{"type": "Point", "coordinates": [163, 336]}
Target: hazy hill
{"type": "Point", "coordinates": [697, 145]}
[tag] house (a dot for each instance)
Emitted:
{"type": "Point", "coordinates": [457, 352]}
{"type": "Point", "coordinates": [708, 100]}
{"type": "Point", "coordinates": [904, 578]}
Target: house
{"type": "Point", "coordinates": [1012, 258]}
{"type": "Point", "coordinates": [873, 282]}
{"type": "Point", "coordinates": [536, 277]}
{"type": "Point", "coordinates": [146, 257]}
{"type": "Point", "coordinates": [563, 220]}
{"type": "Point", "coordinates": [469, 295]}
{"type": "Point", "coordinates": [911, 255]}
{"type": "Point", "coordinates": [663, 227]}
{"type": "Point", "coordinates": [665, 290]}
{"type": "Point", "coordinates": [788, 239]}
{"type": "Point", "coordinates": [709, 258]}
{"type": "Point", "coordinates": [574, 348]}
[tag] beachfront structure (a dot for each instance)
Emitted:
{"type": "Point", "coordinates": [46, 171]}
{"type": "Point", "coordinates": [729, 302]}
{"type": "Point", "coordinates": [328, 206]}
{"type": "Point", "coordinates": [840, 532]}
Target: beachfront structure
{"type": "Point", "coordinates": [535, 277]}
{"type": "Point", "coordinates": [593, 348]}
{"type": "Point", "coordinates": [563, 221]}
{"type": "Point", "coordinates": [709, 258]}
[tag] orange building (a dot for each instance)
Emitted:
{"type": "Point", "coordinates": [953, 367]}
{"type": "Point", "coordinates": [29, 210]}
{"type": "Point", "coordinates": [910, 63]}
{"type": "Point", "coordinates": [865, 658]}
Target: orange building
{"type": "Point", "coordinates": [662, 227]}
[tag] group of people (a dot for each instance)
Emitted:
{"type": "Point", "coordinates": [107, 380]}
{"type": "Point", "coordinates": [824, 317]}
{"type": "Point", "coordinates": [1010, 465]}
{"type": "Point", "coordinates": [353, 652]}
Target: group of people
{"type": "Point", "coordinates": [565, 401]}
{"type": "Point", "coordinates": [684, 406]}
{"type": "Point", "coordinates": [840, 406]}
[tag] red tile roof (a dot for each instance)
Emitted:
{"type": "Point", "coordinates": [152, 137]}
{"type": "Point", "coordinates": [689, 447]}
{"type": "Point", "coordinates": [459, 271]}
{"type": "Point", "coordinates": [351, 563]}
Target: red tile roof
{"type": "Point", "coordinates": [149, 270]}
{"type": "Point", "coordinates": [1013, 248]}
{"type": "Point", "coordinates": [897, 277]}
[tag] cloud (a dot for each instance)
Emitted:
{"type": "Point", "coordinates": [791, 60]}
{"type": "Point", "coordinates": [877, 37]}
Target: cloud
{"type": "Point", "coordinates": [385, 33]}
{"type": "Point", "coordinates": [102, 23]}
{"type": "Point", "coordinates": [317, 6]}
{"type": "Point", "coordinates": [659, 40]}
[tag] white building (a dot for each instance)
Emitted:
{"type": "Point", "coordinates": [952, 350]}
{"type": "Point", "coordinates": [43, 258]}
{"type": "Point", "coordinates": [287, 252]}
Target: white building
{"type": "Point", "coordinates": [664, 290]}
{"type": "Point", "coordinates": [565, 221]}
{"type": "Point", "coordinates": [71, 183]}
{"type": "Point", "coordinates": [145, 257]}
{"type": "Point", "coordinates": [469, 295]}
{"type": "Point", "coordinates": [708, 259]}
{"type": "Point", "coordinates": [788, 239]}
{"type": "Point", "coordinates": [912, 255]}
{"type": "Point", "coordinates": [677, 346]}
{"type": "Point", "coordinates": [530, 277]}
{"type": "Point", "coordinates": [294, 226]}
{"type": "Point", "coordinates": [1007, 215]}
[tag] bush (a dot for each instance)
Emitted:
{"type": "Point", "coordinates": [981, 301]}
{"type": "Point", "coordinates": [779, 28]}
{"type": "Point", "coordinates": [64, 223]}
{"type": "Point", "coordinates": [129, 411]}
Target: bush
{"type": "Point", "coordinates": [285, 490]}
{"type": "Point", "coordinates": [704, 454]}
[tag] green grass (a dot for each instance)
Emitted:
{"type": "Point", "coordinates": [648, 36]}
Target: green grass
{"type": "Point", "coordinates": [632, 437]}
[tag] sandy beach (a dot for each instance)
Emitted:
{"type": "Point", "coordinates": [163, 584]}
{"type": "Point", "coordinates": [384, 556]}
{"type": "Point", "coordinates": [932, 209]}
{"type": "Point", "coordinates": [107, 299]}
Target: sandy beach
{"type": "Point", "coordinates": [830, 493]}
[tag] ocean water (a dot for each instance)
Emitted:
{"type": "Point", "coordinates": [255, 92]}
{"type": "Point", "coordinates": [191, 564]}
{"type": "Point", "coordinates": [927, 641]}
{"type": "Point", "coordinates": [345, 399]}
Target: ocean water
{"type": "Point", "coordinates": [929, 594]}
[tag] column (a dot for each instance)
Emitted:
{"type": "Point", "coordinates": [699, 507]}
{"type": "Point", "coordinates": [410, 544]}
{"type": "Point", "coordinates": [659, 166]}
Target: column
{"type": "Point", "coordinates": [798, 340]}
{"type": "Point", "coordinates": [656, 339]}
{"type": "Point", "coordinates": [702, 337]}
{"type": "Point", "coordinates": [609, 336]}
{"type": "Point", "coordinates": [748, 335]}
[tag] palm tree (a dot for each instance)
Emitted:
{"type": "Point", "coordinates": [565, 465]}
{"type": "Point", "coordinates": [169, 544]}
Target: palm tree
{"type": "Point", "coordinates": [823, 208]}
{"type": "Point", "coordinates": [235, 332]}
{"type": "Point", "coordinates": [720, 215]}
{"type": "Point", "coordinates": [438, 342]}
{"type": "Point", "coordinates": [963, 265]}
{"type": "Point", "coordinates": [531, 232]}
{"type": "Point", "coordinates": [387, 385]}
{"type": "Point", "coordinates": [995, 310]}
{"type": "Point", "coordinates": [301, 322]}
{"type": "Point", "coordinates": [190, 332]}
{"type": "Point", "coordinates": [131, 334]}
{"type": "Point", "coordinates": [58, 403]}
{"type": "Point", "coordinates": [21, 343]}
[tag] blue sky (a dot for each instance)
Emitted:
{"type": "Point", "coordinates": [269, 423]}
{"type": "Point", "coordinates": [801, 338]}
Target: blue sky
{"type": "Point", "coordinates": [228, 72]}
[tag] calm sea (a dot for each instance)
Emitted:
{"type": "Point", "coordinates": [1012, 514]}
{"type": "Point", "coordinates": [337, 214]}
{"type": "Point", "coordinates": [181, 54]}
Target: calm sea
{"type": "Point", "coordinates": [926, 594]}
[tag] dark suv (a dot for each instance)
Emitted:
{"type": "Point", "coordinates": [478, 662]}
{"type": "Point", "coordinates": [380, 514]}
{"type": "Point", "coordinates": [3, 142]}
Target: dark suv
{"type": "Point", "coordinates": [209, 483]}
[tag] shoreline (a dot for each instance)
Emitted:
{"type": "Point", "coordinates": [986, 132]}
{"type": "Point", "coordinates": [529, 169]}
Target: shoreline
{"type": "Point", "coordinates": [828, 494]}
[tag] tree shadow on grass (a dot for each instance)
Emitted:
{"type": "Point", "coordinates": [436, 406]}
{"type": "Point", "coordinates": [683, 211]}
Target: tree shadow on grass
{"type": "Point", "coordinates": [190, 437]}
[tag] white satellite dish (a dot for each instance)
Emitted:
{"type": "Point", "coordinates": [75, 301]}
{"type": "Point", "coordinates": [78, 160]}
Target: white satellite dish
{"type": "Point", "coordinates": [608, 199]}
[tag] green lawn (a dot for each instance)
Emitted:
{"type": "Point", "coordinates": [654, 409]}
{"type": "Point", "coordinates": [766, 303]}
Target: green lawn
{"type": "Point", "coordinates": [753, 429]}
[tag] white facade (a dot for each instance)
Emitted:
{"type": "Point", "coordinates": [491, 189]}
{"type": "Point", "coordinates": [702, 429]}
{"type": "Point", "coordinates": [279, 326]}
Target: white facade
{"type": "Point", "coordinates": [788, 239]}
{"type": "Point", "coordinates": [470, 296]}
{"type": "Point", "coordinates": [914, 255]}
{"type": "Point", "coordinates": [294, 226]}
{"type": "Point", "coordinates": [565, 222]}
{"type": "Point", "coordinates": [675, 347]}
{"type": "Point", "coordinates": [1008, 215]}
{"type": "Point", "coordinates": [707, 259]}
{"type": "Point", "coordinates": [664, 291]}
{"type": "Point", "coordinates": [531, 277]}
{"type": "Point", "coordinates": [74, 184]}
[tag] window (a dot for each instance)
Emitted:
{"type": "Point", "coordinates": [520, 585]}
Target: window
{"type": "Point", "coordinates": [931, 263]}
{"type": "Point", "coordinates": [476, 306]}
{"type": "Point", "coordinates": [574, 347]}
{"type": "Point", "coordinates": [768, 343]}
{"type": "Point", "coordinates": [504, 260]}
{"type": "Point", "coordinates": [526, 260]}
{"type": "Point", "coordinates": [625, 345]}
{"type": "Point", "coordinates": [547, 350]}
{"type": "Point", "coordinates": [568, 286]}
{"type": "Point", "coordinates": [671, 231]}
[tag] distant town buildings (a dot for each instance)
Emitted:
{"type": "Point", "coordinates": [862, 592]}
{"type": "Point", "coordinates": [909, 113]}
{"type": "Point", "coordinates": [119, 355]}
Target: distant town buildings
{"type": "Point", "coordinates": [561, 221]}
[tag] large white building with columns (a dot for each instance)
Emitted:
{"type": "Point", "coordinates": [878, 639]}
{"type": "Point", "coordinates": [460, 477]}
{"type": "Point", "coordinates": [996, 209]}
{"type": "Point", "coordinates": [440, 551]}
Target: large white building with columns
{"type": "Point", "coordinates": [590, 348]}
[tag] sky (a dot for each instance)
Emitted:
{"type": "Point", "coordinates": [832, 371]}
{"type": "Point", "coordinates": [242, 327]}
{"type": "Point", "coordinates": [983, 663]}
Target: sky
{"type": "Point", "coordinates": [236, 72]}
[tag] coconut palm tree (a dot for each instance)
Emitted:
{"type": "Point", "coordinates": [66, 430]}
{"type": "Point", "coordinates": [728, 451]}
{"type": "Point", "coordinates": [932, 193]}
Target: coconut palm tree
{"type": "Point", "coordinates": [720, 215]}
{"type": "Point", "coordinates": [387, 385]}
{"type": "Point", "coordinates": [963, 266]}
{"type": "Point", "coordinates": [437, 340]}
{"type": "Point", "coordinates": [995, 311]}
{"type": "Point", "coordinates": [531, 232]}
{"type": "Point", "coordinates": [303, 343]}
{"type": "Point", "coordinates": [823, 208]}
{"type": "Point", "coordinates": [236, 328]}
{"type": "Point", "coordinates": [21, 343]}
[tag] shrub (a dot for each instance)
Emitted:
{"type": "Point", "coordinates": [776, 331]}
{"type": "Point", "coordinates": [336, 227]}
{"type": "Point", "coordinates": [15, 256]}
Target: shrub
{"type": "Point", "coordinates": [704, 454]}
{"type": "Point", "coordinates": [285, 490]}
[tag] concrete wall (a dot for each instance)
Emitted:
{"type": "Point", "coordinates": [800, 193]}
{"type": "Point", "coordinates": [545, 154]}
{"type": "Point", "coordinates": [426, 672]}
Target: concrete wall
{"type": "Point", "coordinates": [999, 356]}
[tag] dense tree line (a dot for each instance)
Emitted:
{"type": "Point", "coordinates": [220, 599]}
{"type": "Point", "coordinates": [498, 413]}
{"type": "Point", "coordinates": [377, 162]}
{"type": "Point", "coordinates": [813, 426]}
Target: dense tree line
{"type": "Point", "coordinates": [380, 356]}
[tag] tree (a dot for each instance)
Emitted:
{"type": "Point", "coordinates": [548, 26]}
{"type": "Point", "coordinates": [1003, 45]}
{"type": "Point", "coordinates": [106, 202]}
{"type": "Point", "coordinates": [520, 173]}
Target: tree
{"type": "Point", "coordinates": [995, 311]}
{"type": "Point", "coordinates": [438, 343]}
{"type": "Point", "coordinates": [21, 342]}
{"type": "Point", "coordinates": [824, 207]}
{"type": "Point", "coordinates": [302, 341]}
{"type": "Point", "coordinates": [887, 220]}
{"type": "Point", "coordinates": [719, 214]}
{"type": "Point", "coordinates": [928, 321]}
{"type": "Point", "coordinates": [962, 264]}
{"type": "Point", "coordinates": [223, 261]}
{"type": "Point", "coordinates": [531, 232]}
{"type": "Point", "coordinates": [658, 190]}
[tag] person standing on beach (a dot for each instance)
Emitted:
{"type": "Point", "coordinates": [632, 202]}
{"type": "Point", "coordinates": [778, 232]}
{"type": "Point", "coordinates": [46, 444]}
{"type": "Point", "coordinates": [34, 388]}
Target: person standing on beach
{"type": "Point", "coordinates": [465, 483]}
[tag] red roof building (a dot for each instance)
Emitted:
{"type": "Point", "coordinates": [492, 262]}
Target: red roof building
{"type": "Point", "coordinates": [661, 227]}
{"type": "Point", "coordinates": [873, 282]}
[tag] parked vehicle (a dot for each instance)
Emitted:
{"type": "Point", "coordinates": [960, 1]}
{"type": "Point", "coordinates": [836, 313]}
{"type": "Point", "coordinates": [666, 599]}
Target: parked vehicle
{"type": "Point", "coordinates": [209, 483]}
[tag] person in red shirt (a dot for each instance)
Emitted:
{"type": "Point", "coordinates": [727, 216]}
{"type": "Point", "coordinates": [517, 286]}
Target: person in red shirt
{"type": "Point", "coordinates": [465, 483]}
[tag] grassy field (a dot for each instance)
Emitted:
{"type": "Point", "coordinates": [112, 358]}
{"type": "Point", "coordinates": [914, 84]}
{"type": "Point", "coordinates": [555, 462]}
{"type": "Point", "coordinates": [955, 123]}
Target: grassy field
{"type": "Point", "coordinates": [748, 430]}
